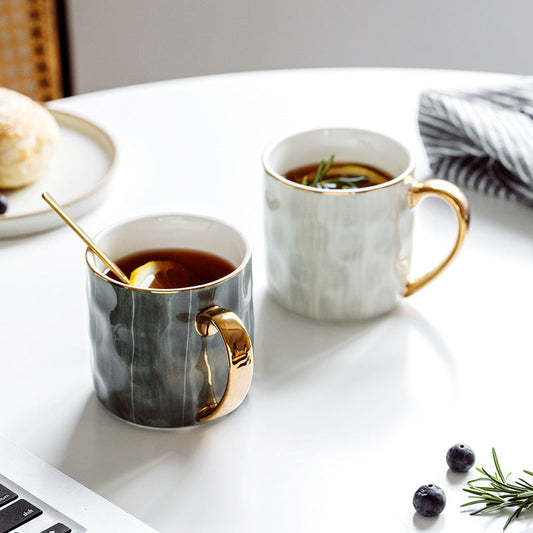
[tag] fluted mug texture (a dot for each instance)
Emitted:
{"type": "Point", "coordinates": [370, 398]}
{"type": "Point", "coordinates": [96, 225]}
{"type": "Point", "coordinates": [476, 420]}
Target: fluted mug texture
{"type": "Point", "coordinates": [343, 255]}
{"type": "Point", "coordinates": [150, 364]}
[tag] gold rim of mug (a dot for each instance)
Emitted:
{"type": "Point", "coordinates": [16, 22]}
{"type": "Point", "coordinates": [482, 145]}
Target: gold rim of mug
{"type": "Point", "coordinates": [238, 269]}
{"type": "Point", "coordinates": [401, 177]}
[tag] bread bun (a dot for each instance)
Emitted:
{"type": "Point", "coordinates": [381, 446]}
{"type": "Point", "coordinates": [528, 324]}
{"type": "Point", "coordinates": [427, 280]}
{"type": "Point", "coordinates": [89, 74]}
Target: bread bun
{"type": "Point", "coordinates": [28, 138]}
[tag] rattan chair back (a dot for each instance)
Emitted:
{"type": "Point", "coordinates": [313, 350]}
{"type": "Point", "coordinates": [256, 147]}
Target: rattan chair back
{"type": "Point", "coordinates": [30, 58]}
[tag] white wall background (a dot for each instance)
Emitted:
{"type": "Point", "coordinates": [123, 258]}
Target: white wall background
{"type": "Point", "coordinates": [122, 42]}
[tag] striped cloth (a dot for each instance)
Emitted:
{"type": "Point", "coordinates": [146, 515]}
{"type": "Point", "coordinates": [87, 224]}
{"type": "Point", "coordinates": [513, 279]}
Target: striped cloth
{"type": "Point", "coordinates": [482, 139]}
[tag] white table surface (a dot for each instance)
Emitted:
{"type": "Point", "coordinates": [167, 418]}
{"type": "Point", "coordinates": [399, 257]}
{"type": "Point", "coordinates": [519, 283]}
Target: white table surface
{"type": "Point", "coordinates": [343, 422]}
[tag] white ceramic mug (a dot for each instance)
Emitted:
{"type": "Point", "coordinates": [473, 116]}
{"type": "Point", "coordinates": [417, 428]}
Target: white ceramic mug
{"type": "Point", "coordinates": [345, 254]}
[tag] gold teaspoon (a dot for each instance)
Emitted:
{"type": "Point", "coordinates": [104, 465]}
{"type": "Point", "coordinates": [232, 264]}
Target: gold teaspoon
{"type": "Point", "coordinates": [85, 238]}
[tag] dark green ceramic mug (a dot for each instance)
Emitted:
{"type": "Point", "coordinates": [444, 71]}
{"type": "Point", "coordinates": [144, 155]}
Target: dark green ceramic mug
{"type": "Point", "coordinates": [169, 358]}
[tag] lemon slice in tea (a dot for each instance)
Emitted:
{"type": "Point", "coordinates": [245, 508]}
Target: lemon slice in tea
{"type": "Point", "coordinates": [160, 275]}
{"type": "Point", "coordinates": [374, 177]}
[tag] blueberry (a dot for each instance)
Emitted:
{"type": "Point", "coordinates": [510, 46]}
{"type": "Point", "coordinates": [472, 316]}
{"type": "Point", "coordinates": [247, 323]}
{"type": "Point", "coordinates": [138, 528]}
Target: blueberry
{"type": "Point", "coordinates": [460, 458]}
{"type": "Point", "coordinates": [3, 204]}
{"type": "Point", "coordinates": [429, 500]}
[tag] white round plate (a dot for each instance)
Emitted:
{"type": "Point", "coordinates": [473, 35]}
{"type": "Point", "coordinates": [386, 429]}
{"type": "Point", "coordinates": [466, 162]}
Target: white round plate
{"type": "Point", "coordinates": [77, 179]}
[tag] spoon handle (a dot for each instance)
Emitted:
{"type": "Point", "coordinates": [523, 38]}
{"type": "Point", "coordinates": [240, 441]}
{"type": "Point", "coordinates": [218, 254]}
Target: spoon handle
{"type": "Point", "coordinates": [85, 238]}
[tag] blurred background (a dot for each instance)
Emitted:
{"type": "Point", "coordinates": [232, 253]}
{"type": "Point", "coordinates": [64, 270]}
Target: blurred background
{"type": "Point", "coordinates": [105, 44]}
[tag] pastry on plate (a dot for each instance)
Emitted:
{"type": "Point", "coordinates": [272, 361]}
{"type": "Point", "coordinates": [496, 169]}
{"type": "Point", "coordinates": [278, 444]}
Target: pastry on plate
{"type": "Point", "coordinates": [28, 138]}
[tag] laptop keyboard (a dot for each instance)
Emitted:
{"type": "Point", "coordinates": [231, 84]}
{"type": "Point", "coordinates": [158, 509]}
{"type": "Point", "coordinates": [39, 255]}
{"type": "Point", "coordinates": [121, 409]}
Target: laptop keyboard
{"type": "Point", "coordinates": [21, 512]}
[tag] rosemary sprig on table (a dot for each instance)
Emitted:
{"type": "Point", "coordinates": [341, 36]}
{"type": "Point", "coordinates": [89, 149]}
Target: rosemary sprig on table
{"type": "Point", "coordinates": [497, 494]}
{"type": "Point", "coordinates": [346, 182]}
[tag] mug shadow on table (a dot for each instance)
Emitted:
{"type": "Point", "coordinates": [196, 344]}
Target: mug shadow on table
{"type": "Point", "coordinates": [141, 469]}
{"type": "Point", "coordinates": [287, 344]}
{"type": "Point", "coordinates": [372, 374]}
{"type": "Point", "coordinates": [105, 453]}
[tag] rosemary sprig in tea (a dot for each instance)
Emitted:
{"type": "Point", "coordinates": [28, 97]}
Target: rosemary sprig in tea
{"type": "Point", "coordinates": [319, 181]}
{"type": "Point", "coordinates": [322, 170]}
{"type": "Point", "coordinates": [497, 494]}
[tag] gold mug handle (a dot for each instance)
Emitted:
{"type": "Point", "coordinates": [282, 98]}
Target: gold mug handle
{"type": "Point", "coordinates": [240, 359]}
{"type": "Point", "coordinates": [455, 197]}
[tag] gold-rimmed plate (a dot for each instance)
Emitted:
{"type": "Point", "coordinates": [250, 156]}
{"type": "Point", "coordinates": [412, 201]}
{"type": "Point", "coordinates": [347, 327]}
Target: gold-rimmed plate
{"type": "Point", "coordinates": [77, 177]}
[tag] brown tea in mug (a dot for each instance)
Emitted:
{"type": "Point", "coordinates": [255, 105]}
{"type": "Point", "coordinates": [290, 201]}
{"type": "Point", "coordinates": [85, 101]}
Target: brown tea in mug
{"type": "Point", "coordinates": [172, 268]}
{"type": "Point", "coordinates": [338, 175]}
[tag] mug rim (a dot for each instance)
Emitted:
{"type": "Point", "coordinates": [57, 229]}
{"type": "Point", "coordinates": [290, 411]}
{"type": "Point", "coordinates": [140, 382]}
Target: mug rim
{"type": "Point", "coordinates": [338, 192]}
{"type": "Point", "coordinates": [235, 272]}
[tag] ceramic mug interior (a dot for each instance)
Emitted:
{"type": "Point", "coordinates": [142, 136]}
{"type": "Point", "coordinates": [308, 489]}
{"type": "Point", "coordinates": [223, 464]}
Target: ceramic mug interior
{"type": "Point", "coordinates": [171, 231]}
{"type": "Point", "coordinates": [348, 144]}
